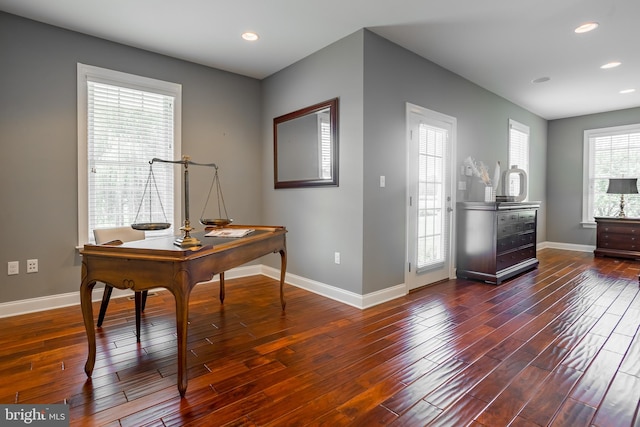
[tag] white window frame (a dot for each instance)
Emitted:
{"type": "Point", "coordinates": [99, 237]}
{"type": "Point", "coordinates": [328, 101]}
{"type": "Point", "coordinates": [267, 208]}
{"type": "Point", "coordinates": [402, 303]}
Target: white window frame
{"type": "Point", "coordinates": [87, 73]}
{"type": "Point", "coordinates": [520, 162]}
{"type": "Point", "coordinates": [588, 178]}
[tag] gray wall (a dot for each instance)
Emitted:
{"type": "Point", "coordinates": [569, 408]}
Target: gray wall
{"type": "Point", "coordinates": [320, 220]}
{"type": "Point", "coordinates": [564, 176]}
{"type": "Point", "coordinates": [38, 143]}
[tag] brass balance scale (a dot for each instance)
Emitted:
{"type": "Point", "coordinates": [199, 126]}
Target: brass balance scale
{"type": "Point", "coordinates": [186, 240]}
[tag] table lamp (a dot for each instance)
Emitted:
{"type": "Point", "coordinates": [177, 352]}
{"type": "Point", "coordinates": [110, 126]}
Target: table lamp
{"type": "Point", "coordinates": [622, 186]}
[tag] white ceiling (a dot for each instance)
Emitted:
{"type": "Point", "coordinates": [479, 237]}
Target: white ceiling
{"type": "Point", "coordinates": [501, 45]}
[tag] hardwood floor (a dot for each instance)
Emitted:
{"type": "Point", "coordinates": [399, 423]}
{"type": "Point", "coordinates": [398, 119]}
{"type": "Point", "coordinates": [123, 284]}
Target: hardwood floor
{"type": "Point", "coordinates": [556, 346]}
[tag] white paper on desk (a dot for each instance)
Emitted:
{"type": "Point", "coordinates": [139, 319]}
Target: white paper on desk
{"type": "Point", "coordinates": [230, 232]}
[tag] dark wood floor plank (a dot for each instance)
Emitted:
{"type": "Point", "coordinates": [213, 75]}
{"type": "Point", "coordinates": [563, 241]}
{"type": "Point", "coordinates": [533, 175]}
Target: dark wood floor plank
{"type": "Point", "coordinates": [631, 361]}
{"type": "Point", "coordinates": [377, 416]}
{"type": "Point", "coordinates": [550, 395]}
{"type": "Point", "coordinates": [506, 406]}
{"type": "Point", "coordinates": [593, 385]}
{"type": "Point", "coordinates": [494, 383]}
{"type": "Point", "coordinates": [620, 403]}
{"type": "Point", "coordinates": [462, 414]}
{"type": "Point", "coordinates": [448, 393]}
{"type": "Point", "coordinates": [420, 414]}
{"type": "Point", "coordinates": [426, 384]}
{"type": "Point", "coordinates": [559, 345]}
{"type": "Point", "coordinates": [316, 401]}
{"type": "Point", "coordinates": [573, 414]}
{"type": "Point", "coordinates": [359, 405]}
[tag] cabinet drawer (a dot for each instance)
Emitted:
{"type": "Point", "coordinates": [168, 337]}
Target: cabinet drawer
{"type": "Point", "coordinates": [513, 228]}
{"type": "Point", "coordinates": [508, 243]}
{"type": "Point", "coordinates": [527, 239]}
{"type": "Point", "coordinates": [527, 216]}
{"type": "Point", "coordinates": [507, 229]}
{"type": "Point", "coordinates": [512, 258]}
{"type": "Point", "coordinates": [627, 229]}
{"type": "Point", "coordinates": [618, 238]}
{"type": "Point", "coordinates": [515, 241]}
{"type": "Point", "coordinates": [507, 217]}
{"type": "Point", "coordinates": [619, 241]}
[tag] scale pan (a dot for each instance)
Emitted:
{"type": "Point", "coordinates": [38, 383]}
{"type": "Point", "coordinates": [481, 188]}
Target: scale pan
{"type": "Point", "coordinates": [151, 226]}
{"type": "Point", "coordinates": [218, 222]}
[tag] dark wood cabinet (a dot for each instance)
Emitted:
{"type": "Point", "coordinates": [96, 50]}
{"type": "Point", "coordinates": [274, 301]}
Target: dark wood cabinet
{"type": "Point", "coordinates": [618, 237]}
{"type": "Point", "coordinates": [495, 241]}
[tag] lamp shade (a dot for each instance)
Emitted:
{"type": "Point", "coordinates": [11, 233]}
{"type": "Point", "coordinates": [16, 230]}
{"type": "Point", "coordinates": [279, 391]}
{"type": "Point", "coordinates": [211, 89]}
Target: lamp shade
{"type": "Point", "coordinates": [623, 186]}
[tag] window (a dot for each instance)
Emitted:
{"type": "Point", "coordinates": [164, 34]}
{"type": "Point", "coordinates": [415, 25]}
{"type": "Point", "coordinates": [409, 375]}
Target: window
{"type": "Point", "coordinates": [324, 128]}
{"type": "Point", "coordinates": [609, 153]}
{"type": "Point", "coordinates": [124, 121]}
{"type": "Point", "coordinates": [518, 153]}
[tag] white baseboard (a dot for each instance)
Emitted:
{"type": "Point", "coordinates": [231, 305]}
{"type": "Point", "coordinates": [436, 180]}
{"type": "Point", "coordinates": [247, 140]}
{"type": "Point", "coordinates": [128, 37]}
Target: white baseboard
{"type": "Point", "coordinates": [337, 294]}
{"type": "Point", "coordinates": [15, 308]}
{"type": "Point", "coordinates": [566, 246]}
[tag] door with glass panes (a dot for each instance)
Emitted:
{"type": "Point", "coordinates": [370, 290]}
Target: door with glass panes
{"type": "Point", "coordinates": [431, 142]}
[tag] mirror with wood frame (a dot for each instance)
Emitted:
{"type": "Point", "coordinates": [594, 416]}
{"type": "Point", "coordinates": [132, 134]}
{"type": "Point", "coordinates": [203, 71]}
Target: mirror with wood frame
{"type": "Point", "coordinates": [305, 146]}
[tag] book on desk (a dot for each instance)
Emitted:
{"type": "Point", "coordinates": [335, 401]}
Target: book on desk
{"type": "Point", "coordinates": [229, 232]}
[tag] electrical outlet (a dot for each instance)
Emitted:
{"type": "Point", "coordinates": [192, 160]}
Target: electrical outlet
{"type": "Point", "coordinates": [336, 257]}
{"type": "Point", "coordinates": [32, 266]}
{"type": "Point", "coordinates": [13, 267]}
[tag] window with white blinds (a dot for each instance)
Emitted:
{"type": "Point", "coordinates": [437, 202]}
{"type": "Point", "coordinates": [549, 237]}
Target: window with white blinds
{"type": "Point", "coordinates": [324, 127]}
{"type": "Point", "coordinates": [518, 153]}
{"type": "Point", "coordinates": [609, 153]}
{"type": "Point", "coordinates": [124, 121]}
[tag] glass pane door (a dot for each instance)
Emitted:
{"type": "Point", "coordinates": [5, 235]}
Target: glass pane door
{"type": "Point", "coordinates": [431, 197]}
{"type": "Point", "coordinates": [431, 138]}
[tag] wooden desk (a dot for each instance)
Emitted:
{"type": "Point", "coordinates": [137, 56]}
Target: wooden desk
{"type": "Point", "coordinates": [152, 263]}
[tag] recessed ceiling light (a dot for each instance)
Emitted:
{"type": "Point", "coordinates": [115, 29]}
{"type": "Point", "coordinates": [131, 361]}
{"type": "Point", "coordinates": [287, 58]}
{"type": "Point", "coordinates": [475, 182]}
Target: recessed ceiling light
{"type": "Point", "coordinates": [249, 36]}
{"type": "Point", "coordinates": [608, 65]}
{"type": "Point", "coordinates": [627, 91]}
{"type": "Point", "coordinates": [541, 80]}
{"type": "Point", "coordinates": [586, 27]}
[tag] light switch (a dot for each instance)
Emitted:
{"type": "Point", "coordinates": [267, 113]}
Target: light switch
{"type": "Point", "coordinates": [382, 181]}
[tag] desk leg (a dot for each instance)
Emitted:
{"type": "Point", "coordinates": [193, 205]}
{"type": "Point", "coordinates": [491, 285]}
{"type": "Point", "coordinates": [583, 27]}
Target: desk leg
{"type": "Point", "coordinates": [283, 271]}
{"type": "Point", "coordinates": [182, 323]}
{"type": "Point", "coordinates": [222, 287]}
{"type": "Point", "coordinates": [86, 289]}
{"type": "Point", "coordinates": [138, 304]}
